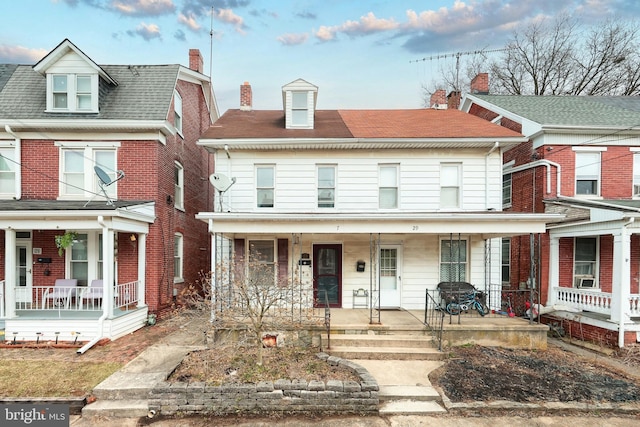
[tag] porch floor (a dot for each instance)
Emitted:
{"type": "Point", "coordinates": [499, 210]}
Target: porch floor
{"type": "Point", "coordinates": [67, 314]}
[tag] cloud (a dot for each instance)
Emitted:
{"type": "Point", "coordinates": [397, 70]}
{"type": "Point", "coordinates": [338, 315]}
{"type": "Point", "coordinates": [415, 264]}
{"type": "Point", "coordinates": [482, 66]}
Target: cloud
{"type": "Point", "coordinates": [190, 22]}
{"type": "Point", "coordinates": [146, 31]}
{"type": "Point", "coordinates": [306, 15]}
{"type": "Point", "coordinates": [228, 17]}
{"type": "Point", "coordinates": [202, 8]}
{"type": "Point", "coordinates": [20, 55]}
{"type": "Point", "coordinates": [367, 24]}
{"type": "Point", "coordinates": [142, 7]}
{"type": "Point", "coordinates": [293, 39]}
{"type": "Point", "coordinates": [180, 35]}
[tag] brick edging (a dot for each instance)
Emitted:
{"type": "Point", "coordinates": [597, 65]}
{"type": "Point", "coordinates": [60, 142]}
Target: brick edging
{"type": "Point", "coordinates": [285, 396]}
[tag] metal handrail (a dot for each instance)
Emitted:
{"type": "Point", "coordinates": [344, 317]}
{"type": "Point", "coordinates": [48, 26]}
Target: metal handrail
{"type": "Point", "coordinates": [327, 318]}
{"type": "Point", "coordinates": [434, 317]}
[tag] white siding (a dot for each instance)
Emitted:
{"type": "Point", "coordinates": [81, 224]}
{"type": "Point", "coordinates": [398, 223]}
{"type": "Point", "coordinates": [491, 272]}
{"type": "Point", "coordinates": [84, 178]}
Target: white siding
{"type": "Point", "coordinates": [357, 178]}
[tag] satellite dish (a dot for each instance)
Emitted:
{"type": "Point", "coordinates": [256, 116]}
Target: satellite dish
{"type": "Point", "coordinates": [104, 180]}
{"type": "Point", "coordinates": [221, 183]}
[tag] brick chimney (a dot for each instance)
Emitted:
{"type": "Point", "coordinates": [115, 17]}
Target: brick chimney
{"type": "Point", "coordinates": [453, 100]}
{"type": "Point", "coordinates": [195, 60]}
{"type": "Point", "coordinates": [438, 100]}
{"type": "Point", "coordinates": [246, 97]}
{"type": "Point", "coordinates": [480, 84]}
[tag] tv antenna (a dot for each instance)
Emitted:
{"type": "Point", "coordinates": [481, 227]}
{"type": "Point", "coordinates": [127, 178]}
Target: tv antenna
{"type": "Point", "coordinates": [221, 183]}
{"type": "Point", "coordinates": [104, 180]}
{"type": "Point", "coordinates": [457, 55]}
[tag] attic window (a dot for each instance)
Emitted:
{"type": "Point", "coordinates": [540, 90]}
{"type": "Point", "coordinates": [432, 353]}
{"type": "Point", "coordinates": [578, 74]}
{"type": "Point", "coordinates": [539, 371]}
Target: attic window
{"type": "Point", "coordinates": [299, 109]}
{"type": "Point", "coordinates": [72, 93]}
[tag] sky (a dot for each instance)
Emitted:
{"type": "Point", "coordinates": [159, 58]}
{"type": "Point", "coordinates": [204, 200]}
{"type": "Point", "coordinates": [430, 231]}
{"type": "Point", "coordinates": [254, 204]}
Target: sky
{"type": "Point", "coordinates": [360, 54]}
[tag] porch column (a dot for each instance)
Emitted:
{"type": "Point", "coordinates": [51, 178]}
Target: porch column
{"type": "Point", "coordinates": [142, 268]}
{"type": "Point", "coordinates": [214, 247]}
{"type": "Point", "coordinates": [108, 273]}
{"type": "Point", "coordinates": [620, 286]}
{"type": "Point", "coordinates": [554, 270]}
{"type": "Point", "coordinates": [10, 272]}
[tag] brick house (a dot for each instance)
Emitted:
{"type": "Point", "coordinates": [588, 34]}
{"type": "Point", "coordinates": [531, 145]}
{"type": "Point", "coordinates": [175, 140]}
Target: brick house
{"type": "Point", "coordinates": [582, 160]}
{"type": "Point", "coordinates": [106, 156]}
{"type": "Point", "coordinates": [370, 208]}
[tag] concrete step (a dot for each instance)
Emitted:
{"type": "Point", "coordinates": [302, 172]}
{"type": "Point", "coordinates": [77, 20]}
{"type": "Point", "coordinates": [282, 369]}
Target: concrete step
{"type": "Point", "coordinates": [116, 409]}
{"type": "Point", "coordinates": [410, 407]}
{"type": "Point", "coordinates": [131, 386]}
{"type": "Point", "coordinates": [385, 353]}
{"type": "Point", "coordinates": [379, 330]}
{"type": "Point", "coordinates": [411, 392]}
{"type": "Point", "coordinates": [357, 340]}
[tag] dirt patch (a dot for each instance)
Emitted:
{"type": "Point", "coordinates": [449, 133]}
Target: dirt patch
{"type": "Point", "coordinates": [227, 364]}
{"type": "Point", "coordinates": [476, 373]}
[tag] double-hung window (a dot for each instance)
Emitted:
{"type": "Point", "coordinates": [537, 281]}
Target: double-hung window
{"type": "Point", "coordinates": [7, 173]}
{"type": "Point", "coordinates": [78, 177]}
{"type": "Point", "coordinates": [326, 186]}
{"type": "Point", "coordinates": [178, 256]}
{"type": "Point", "coordinates": [506, 190]}
{"type": "Point", "coordinates": [73, 93]}
{"type": "Point", "coordinates": [388, 186]}
{"type": "Point", "coordinates": [585, 260]}
{"type": "Point", "coordinates": [450, 185]}
{"type": "Point", "coordinates": [262, 262]}
{"type": "Point", "coordinates": [506, 260]}
{"type": "Point", "coordinates": [453, 260]}
{"type": "Point", "coordinates": [299, 108]}
{"type": "Point", "coordinates": [177, 110]}
{"type": "Point", "coordinates": [179, 185]}
{"type": "Point", "coordinates": [265, 182]}
{"type": "Point", "coordinates": [587, 173]}
{"type": "Point", "coordinates": [636, 174]}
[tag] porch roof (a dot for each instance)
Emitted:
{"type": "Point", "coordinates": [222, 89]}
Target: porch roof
{"type": "Point", "coordinates": [489, 224]}
{"type": "Point", "coordinates": [61, 214]}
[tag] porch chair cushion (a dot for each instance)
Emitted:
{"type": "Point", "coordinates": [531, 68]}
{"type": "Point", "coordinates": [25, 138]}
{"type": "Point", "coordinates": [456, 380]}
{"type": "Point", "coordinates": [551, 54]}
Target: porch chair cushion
{"type": "Point", "coordinates": [62, 292]}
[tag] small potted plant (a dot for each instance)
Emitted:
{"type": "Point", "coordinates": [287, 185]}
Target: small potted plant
{"type": "Point", "coordinates": [65, 240]}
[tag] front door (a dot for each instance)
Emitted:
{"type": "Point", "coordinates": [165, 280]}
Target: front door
{"type": "Point", "coordinates": [24, 267]}
{"type": "Point", "coordinates": [327, 275]}
{"type": "Point", "coordinates": [390, 260]}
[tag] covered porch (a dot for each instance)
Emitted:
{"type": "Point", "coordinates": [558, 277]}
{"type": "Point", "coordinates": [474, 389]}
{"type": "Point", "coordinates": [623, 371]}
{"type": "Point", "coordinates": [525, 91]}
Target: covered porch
{"type": "Point", "coordinates": [607, 297]}
{"type": "Point", "coordinates": [90, 290]}
{"type": "Point", "coordinates": [378, 260]}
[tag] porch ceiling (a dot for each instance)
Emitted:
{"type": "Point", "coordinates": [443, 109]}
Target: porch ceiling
{"type": "Point", "coordinates": [489, 224]}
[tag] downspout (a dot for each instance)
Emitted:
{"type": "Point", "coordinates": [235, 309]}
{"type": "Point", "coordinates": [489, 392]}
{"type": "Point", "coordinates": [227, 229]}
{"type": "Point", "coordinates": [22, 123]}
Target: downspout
{"type": "Point", "coordinates": [486, 174]}
{"type": "Point", "coordinates": [543, 162]}
{"type": "Point", "coordinates": [99, 335]}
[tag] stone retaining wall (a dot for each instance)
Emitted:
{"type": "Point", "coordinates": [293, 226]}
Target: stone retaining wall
{"type": "Point", "coordinates": [281, 396]}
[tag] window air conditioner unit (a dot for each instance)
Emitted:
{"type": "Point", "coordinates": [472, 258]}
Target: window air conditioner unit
{"type": "Point", "coordinates": [586, 282]}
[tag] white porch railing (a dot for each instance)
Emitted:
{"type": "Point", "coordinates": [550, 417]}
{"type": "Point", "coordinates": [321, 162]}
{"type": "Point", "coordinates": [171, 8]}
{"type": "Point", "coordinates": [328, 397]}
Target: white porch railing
{"type": "Point", "coordinates": [1, 299]}
{"type": "Point", "coordinates": [126, 296]}
{"type": "Point", "coordinates": [50, 298]}
{"type": "Point", "coordinates": [582, 299]}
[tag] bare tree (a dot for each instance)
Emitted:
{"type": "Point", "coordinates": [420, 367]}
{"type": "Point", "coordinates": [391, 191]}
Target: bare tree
{"type": "Point", "coordinates": [252, 297]}
{"type": "Point", "coordinates": [559, 57]}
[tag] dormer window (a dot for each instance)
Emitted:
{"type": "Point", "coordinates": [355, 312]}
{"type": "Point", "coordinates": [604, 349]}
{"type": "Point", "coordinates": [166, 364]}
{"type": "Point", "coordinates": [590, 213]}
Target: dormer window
{"type": "Point", "coordinates": [299, 109]}
{"type": "Point", "coordinates": [72, 93]}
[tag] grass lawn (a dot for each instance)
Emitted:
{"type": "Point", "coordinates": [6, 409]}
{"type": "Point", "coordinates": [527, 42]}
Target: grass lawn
{"type": "Point", "coordinates": [42, 378]}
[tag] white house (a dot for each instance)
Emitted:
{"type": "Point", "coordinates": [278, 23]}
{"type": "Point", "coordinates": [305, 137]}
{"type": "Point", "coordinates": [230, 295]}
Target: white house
{"type": "Point", "coordinates": [388, 202]}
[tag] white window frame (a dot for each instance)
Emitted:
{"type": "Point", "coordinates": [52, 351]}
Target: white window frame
{"type": "Point", "coordinates": [507, 189]}
{"type": "Point", "coordinates": [264, 188]}
{"type": "Point", "coordinates": [450, 181]}
{"type": "Point", "coordinates": [455, 255]}
{"type": "Point", "coordinates": [587, 168]}
{"type": "Point", "coordinates": [90, 257]}
{"type": "Point", "coordinates": [505, 260]}
{"type": "Point", "coordinates": [177, 109]}
{"type": "Point", "coordinates": [299, 108]}
{"type": "Point", "coordinates": [263, 258]}
{"type": "Point", "coordinates": [12, 173]}
{"type": "Point", "coordinates": [72, 93]}
{"type": "Point", "coordinates": [586, 268]}
{"type": "Point", "coordinates": [90, 183]}
{"type": "Point", "coordinates": [328, 188]}
{"type": "Point", "coordinates": [388, 184]}
{"type": "Point", "coordinates": [178, 258]}
{"type": "Point", "coordinates": [178, 194]}
{"type": "Point", "coordinates": [636, 173]}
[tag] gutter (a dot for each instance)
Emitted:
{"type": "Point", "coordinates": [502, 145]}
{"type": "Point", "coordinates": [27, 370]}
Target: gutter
{"type": "Point", "coordinates": [99, 335]}
{"type": "Point", "coordinates": [486, 173]}
{"type": "Point", "coordinates": [622, 305]}
{"type": "Point", "coordinates": [18, 149]}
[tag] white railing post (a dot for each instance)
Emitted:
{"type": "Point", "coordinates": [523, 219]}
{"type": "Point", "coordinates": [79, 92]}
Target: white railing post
{"type": "Point", "coordinates": [10, 272]}
{"type": "Point", "coordinates": [554, 270]}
